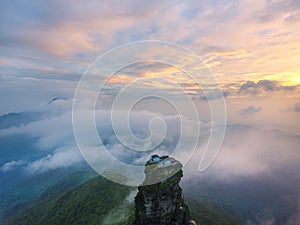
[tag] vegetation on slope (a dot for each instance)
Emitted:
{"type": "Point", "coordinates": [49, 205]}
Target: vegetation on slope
{"type": "Point", "coordinates": [208, 213]}
{"type": "Point", "coordinates": [90, 203]}
{"type": "Point", "coordinates": [100, 201]}
{"type": "Point", "coordinates": [32, 188]}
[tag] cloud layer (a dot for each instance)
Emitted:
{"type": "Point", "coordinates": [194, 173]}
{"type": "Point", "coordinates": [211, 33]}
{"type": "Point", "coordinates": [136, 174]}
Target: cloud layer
{"type": "Point", "coordinates": [246, 149]}
{"type": "Point", "coordinates": [249, 111]}
{"type": "Point", "coordinates": [297, 107]}
{"type": "Point", "coordinates": [264, 85]}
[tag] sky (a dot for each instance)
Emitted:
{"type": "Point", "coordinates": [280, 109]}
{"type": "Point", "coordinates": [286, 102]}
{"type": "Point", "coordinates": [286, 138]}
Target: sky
{"type": "Point", "coordinates": [250, 48]}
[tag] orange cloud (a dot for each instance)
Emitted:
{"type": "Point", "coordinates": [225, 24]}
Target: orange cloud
{"type": "Point", "coordinates": [120, 79]}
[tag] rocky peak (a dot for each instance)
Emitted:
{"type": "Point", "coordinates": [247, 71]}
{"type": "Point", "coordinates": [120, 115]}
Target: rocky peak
{"type": "Point", "coordinates": [159, 200]}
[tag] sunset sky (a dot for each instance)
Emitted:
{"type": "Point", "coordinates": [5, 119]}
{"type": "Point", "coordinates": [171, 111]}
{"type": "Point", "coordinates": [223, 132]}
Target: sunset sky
{"type": "Point", "coordinates": [250, 48]}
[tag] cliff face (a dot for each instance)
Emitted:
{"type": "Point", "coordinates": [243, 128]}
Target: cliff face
{"type": "Point", "coordinates": [161, 203]}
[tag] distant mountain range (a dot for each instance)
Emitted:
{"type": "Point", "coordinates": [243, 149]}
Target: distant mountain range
{"type": "Point", "coordinates": [19, 119]}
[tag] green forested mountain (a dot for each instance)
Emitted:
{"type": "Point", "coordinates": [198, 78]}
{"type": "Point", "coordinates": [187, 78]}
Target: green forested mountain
{"type": "Point", "coordinates": [89, 203]}
{"type": "Point", "coordinates": [99, 201]}
{"type": "Point", "coordinates": [208, 213]}
{"type": "Point", "coordinates": [30, 189]}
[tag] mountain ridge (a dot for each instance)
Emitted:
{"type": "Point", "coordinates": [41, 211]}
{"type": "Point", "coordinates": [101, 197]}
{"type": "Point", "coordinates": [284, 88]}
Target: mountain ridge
{"type": "Point", "coordinates": [100, 201]}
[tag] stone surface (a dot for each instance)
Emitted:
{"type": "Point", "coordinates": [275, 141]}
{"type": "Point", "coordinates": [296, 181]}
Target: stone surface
{"type": "Point", "coordinates": [161, 203]}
